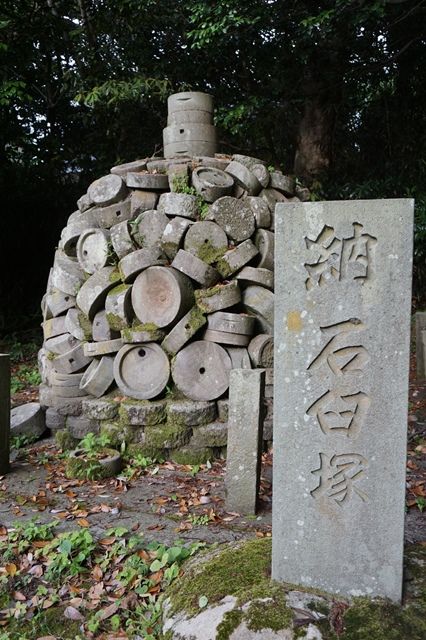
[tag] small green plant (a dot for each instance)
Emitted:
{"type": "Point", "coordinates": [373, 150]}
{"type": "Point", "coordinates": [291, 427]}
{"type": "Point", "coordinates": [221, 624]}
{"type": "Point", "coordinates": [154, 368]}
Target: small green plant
{"type": "Point", "coordinates": [91, 443]}
{"type": "Point", "coordinates": [202, 520]}
{"type": "Point", "coordinates": [421, 503]}
{"type": "Point", "coordinates": [22, 535]}
{"type": "Point", "coordinates": [69, 554]}
{"type": "Point", "coordinates": [194, 470]}
{"type": "Point", "coordinates": [18, 442]}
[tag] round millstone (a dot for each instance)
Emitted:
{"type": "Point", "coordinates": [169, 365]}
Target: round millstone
{"type": "Point", "coordinates": [190, 148]}
{"type": "Point", "coordinates": [261, 351]}
{"type": "Point", "coordinates": [222, 296]}
{"type": "Point", "coordinates": [190, 101]}
{"type": "Point", "coordinates": [254, 275]}
{"type": "Point", "coordinates": [107, 190]}
{"type": "Point", "coordinates": [212, 183]}
{"type": "Point", "coordinates": [235, 259]}
{"type": "Point", "coordinates": [262, 174]}
{"type": "Point", "coordinates": [183, 117]}
{"type": "Point", "coordinates": [183, 331]}
{"type": "Point", "coordinates": [206, 240]}
{"type": "Point", "coordinates": [142, 201]}
{"type": "Point", "coordinates": [67, 278]}
{"type": "Point", "coordinates": [107, 217]}
{"type": "Point", "coordinates": [132, 264]}
{"type": "Point", "coordinates": [101, 331]}
{"type": "Point", "coordinates": [27, 420]}
{"type": "Point", "coordinates": [102, 348]}
{"type": "Point", "coordinates": [72, 361]}
{"type": "Point", "coordinates": [93, 249]}
{"type": "Point", "coordinates": [282, 183]}
{"type": "Point", "coordinates": [65, 379]}
{"type": "Point", "coordinates": [84, 203]}
{"type": "Point", "coordinates": [121, 239]}
{"type": "Point", "coordinates": [61, 344]}
{"type": "Point", "coordinates": [118, 307]}
{"type": "Point", "coordinates": [195, 268]}
{"type": "Point", "coordinates": [244, 177]}
{"type": "Point", "coordinates": [161, 295]}
{"type": "Point", "coordinates": [141, 371]}
{"type": "Point", "coordinates": [148, 228]}
{"type": "Point", "coordinates": [57, 302]}
{"type": "Point", "coordinates": [240, 357]}
{"type": "Point", "coordinates": [178, 204]}
{"type": "Point", "coordinates": [98, 377]}
{"type": "Point", "coordinates": [72, 232]}
{"type": "Point", "coordinates": [148, 181]}
{"type": "Point", "coordinates": [54, 327]}
{"type": "Point", "coordinates": [259, 301]}
{"type": "Point", "coordinates": [223, 337]}
{"type": "Point", "coordinates": [247, 161]}
{"type": "Point", "coordinates": [189, 132]}
{"type": "Point", "coordinates": [264, 241]}
{"type": "Point", "coordinates": [173, 235]}
{"type": "Point", "coordinates": [201, 370]}
{"type": "Point", "coordinates": [67, 391]}
{"type": "Point", "coordinates": [91, 296]}
{"type": "Point", "coordinates": [142, 333]}
{"type": "Point", "coordinates": [260, 209]}
{"type": "Point", "coordinates": [123, 169]}
{"type": "Point", "coordinates": [231, 323]}
{"type": "Point", "coordinates": [234, 216]}
{"type": "Point", "coordinates": [78, 325]}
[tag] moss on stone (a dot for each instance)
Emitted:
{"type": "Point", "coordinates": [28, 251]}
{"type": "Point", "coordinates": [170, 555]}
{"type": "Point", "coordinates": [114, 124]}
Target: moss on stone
{"type": "Point", "coordinates": [230, 622]}
{"type": "Point", "coordinates": [156, 416]}
{"type": "Point", "coordinates": [189, 455]}
{"type": "Point", "coordinates": [196, 320]}
{"type": "Point", "coordinates": [269, 613]}
{"type": "Point", "coordinates": [85, 325]}
{"type": "Point", "coordinates": [115, 322]}
{"type": "Point", "coordinates": [169, 248]}
{"type": "Point", "coordinates": [65, 440]}
{"type": "Point", "coordinates": [115, 432]}
{"type": "Point", "coordinates": [144, 450]}
{"type": "Point", "coordinates": [210, 254]}
{"type": "Point", "coordinates": [115, 276]}
{"type": "Point", "coordinates": [121, 288]}
{"type": "Point", "coordinates": [47, 623]}
{"type": "Point", "coordinates": [169, 435]}
{"type": "Point", "coordinates": [223, 267]}
{"type": "Point", "coordinates": [180, 184]}
{"type": "Point", "coordinates": [88, 467]}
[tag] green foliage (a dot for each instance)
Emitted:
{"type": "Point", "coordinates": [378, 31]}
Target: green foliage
{"type": "Point", "coordinates": [92, 443]}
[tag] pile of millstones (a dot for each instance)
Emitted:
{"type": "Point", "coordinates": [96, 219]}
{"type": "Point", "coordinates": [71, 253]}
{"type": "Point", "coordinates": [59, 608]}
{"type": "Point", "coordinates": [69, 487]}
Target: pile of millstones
{"type": "Point", "coordinates": [161, 284]}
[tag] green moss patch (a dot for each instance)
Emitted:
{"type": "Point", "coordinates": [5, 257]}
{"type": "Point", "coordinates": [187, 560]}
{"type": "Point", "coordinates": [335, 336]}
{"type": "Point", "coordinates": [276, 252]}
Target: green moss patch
{"type": "Point", "coordinates": [210, 254]}
{"type": "Point", "coordinates": [190, 455]}
{"type": "Point", "coordinates": [170, 435]}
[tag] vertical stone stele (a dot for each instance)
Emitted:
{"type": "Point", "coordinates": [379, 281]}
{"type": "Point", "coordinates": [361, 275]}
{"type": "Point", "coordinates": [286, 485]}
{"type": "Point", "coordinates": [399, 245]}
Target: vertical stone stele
{"type": "Point", "coordinates": [342, 334]}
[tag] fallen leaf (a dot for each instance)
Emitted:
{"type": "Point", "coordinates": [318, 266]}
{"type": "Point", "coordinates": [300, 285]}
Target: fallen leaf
{"type": "Point", "coordinates": [11, 569]}
{"type": "Point", "coordinates": [106, 613]}
{"type": "Point", "coordinates": [106, 542]}
{"type": "Point", "coordinates": [73, 614]}
{"type": "Point", "coordinates": [18, 595]}
{"type": "Point", "coordinates": [82, 522]}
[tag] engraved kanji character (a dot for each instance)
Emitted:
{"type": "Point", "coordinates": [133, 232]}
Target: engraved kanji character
{"type": "Point", "coordinates": [338, 475]}
{"type": "Point", "coordinates": [340, 414]}
{"type": "Point", "coordinates": [358, 254]}
{"type": "Point", "coordinates": [327, 266]}
{"type": "Point", "coordinates": [345, 358]}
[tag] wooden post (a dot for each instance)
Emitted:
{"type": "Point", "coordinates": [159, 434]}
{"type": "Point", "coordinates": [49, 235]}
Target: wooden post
{"type": "Point", "coordinates": [4, 412]}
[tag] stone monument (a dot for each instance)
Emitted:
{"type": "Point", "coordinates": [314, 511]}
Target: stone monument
{"type": "Point", "coordinates": [342, 331]}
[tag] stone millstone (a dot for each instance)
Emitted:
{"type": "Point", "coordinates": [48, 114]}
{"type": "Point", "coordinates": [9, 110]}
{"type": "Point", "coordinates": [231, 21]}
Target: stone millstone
{"type": "Point", "coordinates": [234, 216]}
{"type": "Point", "coordinates": [148, 181]}
{"type": "Point", "coordinates": [231, 323]}
{"type": "Point", "coordinates": [206, 240]}
{"type": "Point", "coordinates": [285, 184]}
{"type": "Point", "coordinates": [259, 301]}
{"type": "Point", "coordinates": [262, 174]}
{"type": "Point", "coordinates": [261, 351]}
{"type": "Point", "coordinates": [65, 379]}
{"type": "Point", "coordinates": [161, 295]}
{"type": "Point", "coordinates": [142, 333]}
{"type": "Point", "coordinates": [173, 235]}
{"type": "Point", "coordinates": [107, 217]}
{"type": "Point", "coordinates": [132, 264]}
{"type": "Point", "coordinates": [264, 241]}
{"type": "Point", "coordinates": [72, 232]}
{"type": "Point", "coordinates": [61, 344]}
{"type": "Point", "coordinates": [93, 292]}
{"type": "Point", "coordinates": [253, 275]}
{"type": "Point", "coordinates": [141, 371]}
{"type": "Point", "coordinates": [107, 190]}
{"type": "Point", "coordinates": [244, 177]}
{"type": "Point", "coordinates": [93, 249]}
{"type": "Point", "coordinates": [101, 330]}
{"type": "Point", "coordinates": [212, 183]}
{"type": "Point", "coordinates": [201, 370]}
{"type": "Point", "coordinates": [73, 360]}
{"type": "Point", "coordinates": [102, 348]}
{"type": "Point", "coordinates": [118, 307]}
{"type": "Point", "coordinates": [54, 327]}
{"type": "Point", "coordinates": [235, 259]}
{"type": "Point", "coordinates": [27, 420]}
{"type": "Point", "coordinates": [223, 337]}
{"type": "Point", "coordinates": [121, 239]}
{"type": "Point", "coordinates": [84, 203]}
{"type": "Point", "coordinates": [57, 302]}
{"type": "Point", "coordinates": [78, 325]}
{"type": "Point", "coordinates": [148, 228]}
{"type": "Point", "coordinates": [98, 377]}
{"type": "Point", "coordinates": [261, 211]}
{"type": "Point", "coordinates": [123, 169]}
{"type": "Point", "coordinates": [240, 357]}
{"type": "Point", "coordinates": [183, 331]}
{"type": "Point", "coordinates": [67, 275]}
{"type": "Point", "coordinates": [142, 201]}
{"type": "Point", "coordinates": [219, 297]}
{"type": "Point", "coordinates": [195, 268]}
{"type": "Point", "coordinates": [178, 204]}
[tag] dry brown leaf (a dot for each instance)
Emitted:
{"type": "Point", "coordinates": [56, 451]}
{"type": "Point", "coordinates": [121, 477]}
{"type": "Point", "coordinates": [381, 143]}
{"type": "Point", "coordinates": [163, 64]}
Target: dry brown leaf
{"type": "Point", "coordinates": [106, 542]}
{"type": "Point", "coordinates": [97, 573]}
{"type": "Point", "coordinates": [18, 595]}
{"type": "Point", "coordinates": [11, 569]}
{"type": "Point", "coordinates": [109, 611]}
{"type": "Point", "coordinates": [82, 522]}
{"type": "Point", "coordinates": [72, 613]}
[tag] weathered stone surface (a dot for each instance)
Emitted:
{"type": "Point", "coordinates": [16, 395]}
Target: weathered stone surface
{"type": "Point", "coordinates": [192, 413]}
{"type": "Point", "coordinates": [142, 201]}
{"type": "Point", "coordinates": [71, 233]}
{"type": "Point", "coordinates": [261, 211]}
{"type": "Point", "coordinates": [72, 361]}
{"type": "Point", "coordinates": [240, 357]}
{"type": "Point", "coordinates": [93, 249]}
{"type": "Point", "coordinates": [142, 333]}
{"type": "Point", "coordinates": [107, 190]}
{"type": "Point", "coordinates": [57, 302]}
{"type": "Point", "coordinates": [342, 360]}
{"type": "Point", "coordinates": [53, 420]}
{"type": "Point", "coordinates": [100, 408]}
{"type": "Point", "coordinates": [212, 183]}
{"type": "Point", "coordinates": [262, 174]}
{"type": "Point", "coordinates": [98, 377]}
{"type": "Point", "coordinates": [121, 239]}
{"type": "Point", "coordinates": [78, 325]}
{"type": "Point", "coordinates": [183, 331]}
{"type": "Point", "coordinates": [173, 235]}
{"type": "Point", "coordinates": [133, 263]}
{"type": "Point", "coordinates": [84, 203]}
{"type": "Point", "coordinates": [261, 351]}
{"type": "Point", "coordinates": [264, 241]}
{"type": "Point", "coordinates": [148, 181]}
{"type": "Point", "coordinates": [102, 348]}
{"type": "Point", "coordinates": [27, 420]}
{"type": "Point", "coordinates": [234, 216]}
{"type": "Point", "coordinates": [259, 301]}
{"type": "Point", "coordinates": [254, 275]}
{"type": "Point", "coordinates": [234, 259]}
{"type": "Point", "coordinates": [54, 327]}
{"type": "Point", "coordinates": [239, 323]}
{"type": "Point", "coordinates": [214, 434]}
{"type": "Point", "coordinates": [67, 276]}
{"type": "Point", "coordinates": [61, 344]}
{"type": "Point", "coordinates": [91, 296]}
{"type": "Point", "coordinates": [201, 370]}
{"type": "Point", "coordinates": [195, 268]}
{"type": "Point", "coordinates": [178, 176]}
{"type": "Point", "coordinates": [139, 412]}
{"type": "Point", "coordinates": [107, 217]}
{"type": "Point", "coordinates": [118, 307]}
{"type": "Point", "coordinates": [282, 183]}
{"type": "Point", "coordinates": [167, 436]}
{"type": "Point", "coordinates": [190, 101]}
{"type": "Point", "coordinates": [123, 169]}
{"type": "Point", "coordinates": [219, 297]}
{"type": "Point", "coordinates": [148, 228]}
{"type": "Point", "coordinates": [141, 371]}
{"type": "Point", "coordinates": [206, 240]}
{"type": "Point", "coordinates": [224, 337]}
{"type": "Point", "coordinates": [80, 426]}
{"type": "Point", "coordinates": [101, 331]}
{"type": "Point", "coordinates": [222, 409]}
{"type": "Point", "coordinates": [244, 447]}
{"type": "Point", "coordinates": [244, 177]}
{"type": "Point", "coordinates": [178, 204]}
{"type": "Point", "coordinates": [420, 349]}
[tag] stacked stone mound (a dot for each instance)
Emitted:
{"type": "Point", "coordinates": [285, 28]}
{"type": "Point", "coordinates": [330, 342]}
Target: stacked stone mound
{"type": "Point", "coordinates": [161, 284]}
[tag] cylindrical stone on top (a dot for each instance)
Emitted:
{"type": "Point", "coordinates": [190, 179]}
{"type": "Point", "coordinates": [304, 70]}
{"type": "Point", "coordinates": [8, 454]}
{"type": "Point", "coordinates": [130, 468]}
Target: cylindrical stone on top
{"type": "Point", "coordinates": [190, 130]}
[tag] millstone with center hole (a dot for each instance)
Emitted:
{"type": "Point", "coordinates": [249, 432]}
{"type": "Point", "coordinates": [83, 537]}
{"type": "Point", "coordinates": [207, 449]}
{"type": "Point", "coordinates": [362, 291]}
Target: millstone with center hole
{"type": "Point", "coordinates": [92, 249]}
{"type": "Point", "coordinates": [201, 370]}
{"type": "Point", "coordinates": [141, 371]}
{"type": "Point", "coordinates": [161, 295]}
